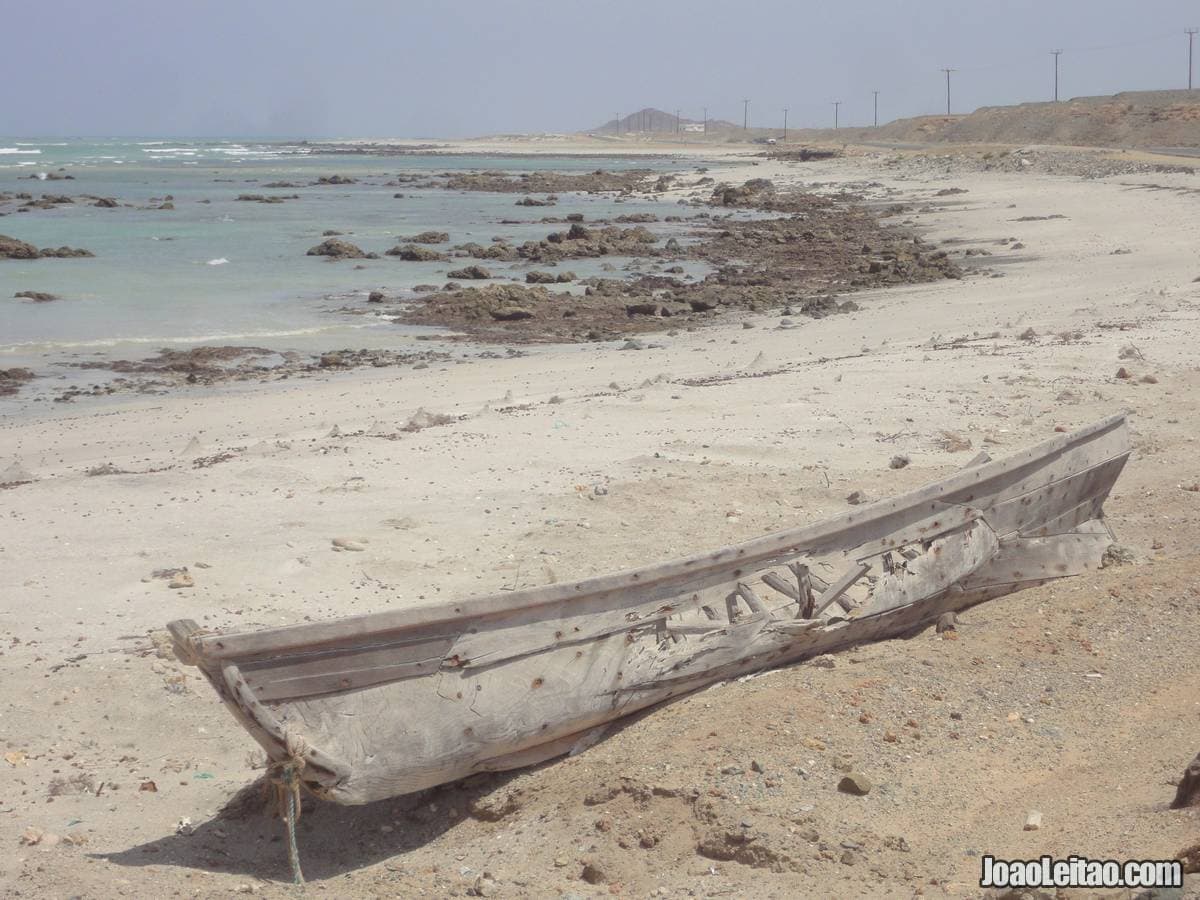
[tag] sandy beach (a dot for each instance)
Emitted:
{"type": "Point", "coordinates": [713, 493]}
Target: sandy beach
{"type": "Point", "coordinates": [1079, 700]}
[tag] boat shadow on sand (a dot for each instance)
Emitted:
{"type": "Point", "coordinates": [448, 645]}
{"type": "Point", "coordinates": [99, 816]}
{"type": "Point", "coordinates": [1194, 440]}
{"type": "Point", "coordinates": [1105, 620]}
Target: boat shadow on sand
{"type": "Point", "coordinates": [247, 836]}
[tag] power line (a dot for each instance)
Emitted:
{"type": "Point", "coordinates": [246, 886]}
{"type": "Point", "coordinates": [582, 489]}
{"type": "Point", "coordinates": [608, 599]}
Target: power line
{"type": "Point", "coordinates": [948, 71]}
{"type": "Point", "coordinates": [1056, 54]}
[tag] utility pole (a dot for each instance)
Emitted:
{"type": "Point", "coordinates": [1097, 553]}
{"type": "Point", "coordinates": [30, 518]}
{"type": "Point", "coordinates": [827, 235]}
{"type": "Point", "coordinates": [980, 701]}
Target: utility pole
{"type": "Point", "coordinates": [785, 109]}
{"type": "Point", "coordinates": [1191, 33]}
{"type": "Point", "coordinates": [876, 93]}
{"type": "Point", "coordinates": [706, 120]}
{"type": "Point", "coordinates": [677, 121]}
{"type": "Point", "coordinates": [948, 71]}
{"type": "Point", "coordinates": [617, 124]}
{"type": "Point", "coordinates": [745, 114]}
{"type": "Point", "coordinates": [1056, 53]}
{"type": "Point", "coordinates": [836, 104]}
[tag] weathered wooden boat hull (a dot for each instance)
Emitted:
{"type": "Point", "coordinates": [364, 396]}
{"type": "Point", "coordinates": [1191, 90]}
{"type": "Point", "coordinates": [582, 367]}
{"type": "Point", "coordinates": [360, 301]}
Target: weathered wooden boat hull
{"type": "Point", "coordinates": [396, 701]}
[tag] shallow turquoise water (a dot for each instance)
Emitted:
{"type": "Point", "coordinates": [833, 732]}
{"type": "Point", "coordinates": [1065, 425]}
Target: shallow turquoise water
{"type": "Point", "coordinates": [231, 271]}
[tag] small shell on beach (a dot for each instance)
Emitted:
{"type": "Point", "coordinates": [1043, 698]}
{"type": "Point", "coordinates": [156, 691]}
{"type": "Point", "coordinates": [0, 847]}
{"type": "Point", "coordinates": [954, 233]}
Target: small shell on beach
{"type": "Point", "coordinates": [341, 543]}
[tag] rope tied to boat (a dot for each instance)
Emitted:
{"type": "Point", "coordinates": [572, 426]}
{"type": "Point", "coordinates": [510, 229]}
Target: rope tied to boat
{"type": "Point", "coordinates": [285, 778]}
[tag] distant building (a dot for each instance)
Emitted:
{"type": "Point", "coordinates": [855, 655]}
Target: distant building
{"type": "Point", "coordinates": [694, 128]}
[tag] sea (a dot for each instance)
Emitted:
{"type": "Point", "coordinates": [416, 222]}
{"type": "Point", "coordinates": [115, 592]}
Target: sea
{"type": "Point", "coordinates": [216, 270]}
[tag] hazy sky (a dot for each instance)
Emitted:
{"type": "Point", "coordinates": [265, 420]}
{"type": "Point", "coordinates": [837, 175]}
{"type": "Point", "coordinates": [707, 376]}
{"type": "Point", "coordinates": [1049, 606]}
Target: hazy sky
{"type": "Point", "coordinates": [407, 68]}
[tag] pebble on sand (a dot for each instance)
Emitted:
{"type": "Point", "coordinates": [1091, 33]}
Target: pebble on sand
{"type": "Point", "coordinates": [855, 783]}
{"type": "Point", "coordinates": [341, 543]}
{"type": "Point", "coordinates": [1033, 821]}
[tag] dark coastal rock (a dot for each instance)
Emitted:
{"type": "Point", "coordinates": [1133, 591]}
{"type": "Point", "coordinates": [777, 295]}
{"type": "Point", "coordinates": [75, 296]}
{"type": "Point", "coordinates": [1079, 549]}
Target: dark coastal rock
{"type": "Point", "coordinates": [375, 297]}
{"type": "Point", "coordinates": [36, 296]}
{"type": "Point", "coordinates": [470, 273]}
{"type": "Point", "coordinates": [265, 198]}
{"type": "Point", "coordinates": [106, 203]}
{"type": "Point", "coordinates": [413, 253]}
{"type": "Point", "coordinates": [64, 252]}
{"type": "Point", "coordinates": [752, 193]}
{"type": "Point", "coordinates": [11, 380]}
{"type": "Point", "coordinates": [488, 303]}
{"type": "Point", "coordinates": [635, 218]}
{"type": "Point", "coordinates": [282, 184]}
{"type": "Point", "coordinates": [529, 201]}
{"type": "Point", "coordinates": [335, 249]}
{"type": "Point", "coordinates": [581, 242]}
{"type": "Point", "coordinates": [336, 179]}
{"type": "Point", "coordinates": [428, 237]}
{"type": "Point", "coordinates": [11, 248]}
{"type": "Point", "coordinates": [48, 201]}
{"type": "Point", "coordinates": [510, 314]}
{"type": "Point", "coordinates": [503, 252]}
{"type": "Point", "coordinates": [538, 277]}
{"type": "Point", "coordinates": [1188, 792]}
{"type": "Point", "coordinates": [546, 182]}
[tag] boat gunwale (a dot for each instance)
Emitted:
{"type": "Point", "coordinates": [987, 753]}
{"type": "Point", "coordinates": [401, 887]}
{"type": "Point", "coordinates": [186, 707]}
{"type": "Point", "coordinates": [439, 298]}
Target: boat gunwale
{"type": "Point", "coordinates": [313, 635]}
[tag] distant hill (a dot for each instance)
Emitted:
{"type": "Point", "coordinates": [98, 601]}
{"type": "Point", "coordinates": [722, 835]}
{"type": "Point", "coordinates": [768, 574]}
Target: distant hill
{"type": "Point", "coordinates": [656, 120]}
{"type": "Point", "coordinates": [1134, 119]}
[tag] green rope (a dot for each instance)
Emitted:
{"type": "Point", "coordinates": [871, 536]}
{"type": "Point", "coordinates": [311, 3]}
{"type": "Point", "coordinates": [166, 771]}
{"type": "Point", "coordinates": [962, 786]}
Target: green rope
{"type": "Point", "coordinates": [291, 786]}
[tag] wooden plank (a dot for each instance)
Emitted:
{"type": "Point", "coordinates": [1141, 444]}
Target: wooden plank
{"type": "Point", "coordinates": [752, 599]}
{"type": "Point", "coordinates": [776, 582]}
{"type": "Point", "coordinates": [804, 581]}
{"type": "Point", "coordinates": [1038, 559]}
{"type": "Point", "coordinates": [839, 587]}
{"type": "Point", "coordinates": [346, 669]}
{"type": "Point", "coordinates": [1029, 511]}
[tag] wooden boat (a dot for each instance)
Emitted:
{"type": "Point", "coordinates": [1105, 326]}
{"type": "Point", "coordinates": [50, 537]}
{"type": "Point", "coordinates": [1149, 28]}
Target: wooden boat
{"type": "Point", "coordinates": [383, 704]}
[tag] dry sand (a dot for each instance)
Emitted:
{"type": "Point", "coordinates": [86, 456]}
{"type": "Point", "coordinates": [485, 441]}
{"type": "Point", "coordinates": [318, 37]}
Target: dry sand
{"type": "Point", "coordinates": [91, 717]}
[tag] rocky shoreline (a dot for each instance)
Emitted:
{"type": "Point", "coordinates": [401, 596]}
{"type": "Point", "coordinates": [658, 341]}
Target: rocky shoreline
{"type": "Point", "coordinates": [817, 246]}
